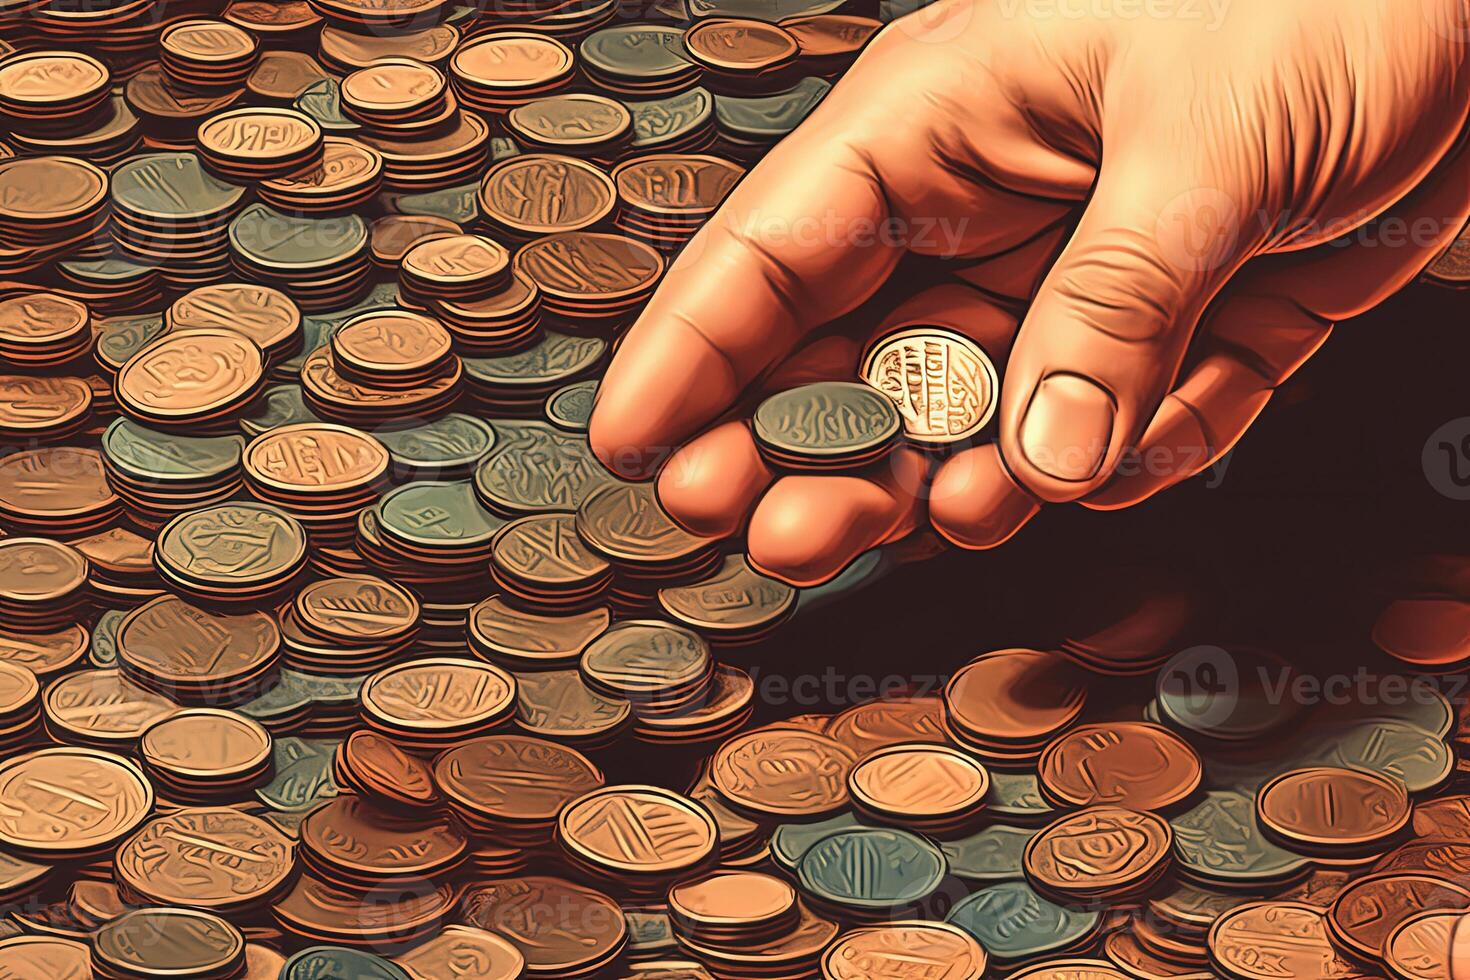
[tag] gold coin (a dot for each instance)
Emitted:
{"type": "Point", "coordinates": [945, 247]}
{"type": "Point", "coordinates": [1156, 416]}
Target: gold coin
{"type": "Point", "coordinates": [316, 458]}
{"type": "Point", "coordinates": [944, 384]}
{"type": "Point", "coordinates": [206, 857]}
{"type": "Point", "coordinates": [70, 801]}
{"type": "Point", "coordinates": [206, 742]}
{"type": "Point", "coordinates": [49, 957]}
{"type": "Point", "coordinates": [189, 375]}
{"type": "Point", "coordinates": [638, 830]}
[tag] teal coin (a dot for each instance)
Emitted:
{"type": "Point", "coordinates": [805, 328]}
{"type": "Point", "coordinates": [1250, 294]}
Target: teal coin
{"type": "Point", "coordinates": [1017, 796]}
{"type": "Point", "coordinates": [340, 963]}
{"type": "Point", "coordinates": [826, 420]}
{"type": "Point", "coordinates": [437, 514]}
{"type": "Point", "coordinates": [103, 652]}
{"type": "Point", "coordinates": [665, 122]}
{"type": "Point", "coordinates": [459, 204]}
{"type": "Point", "coordinates": [171, 187]}
{"type": "Point", "coordinates": [1218, 840]}
{"type": "Point", "coordinates": [1417, 701]}
{"type": "Point", "coordinates": [117, 338]}
{"type": "Point", "coordinates": [871, 869]}
{"type": "Point", "coordinates": [570, 408]}
{"type": "Point", "coordinates": [1229, 695]}
{"type": "Point", "coordinates": [267, 240]}
{"type": "Point", "coordinates": [281, 405]}
{"type": "Point", "coordinates": [1414, 757]}
{"type": "Point", "coordinates": [322, 101]}
{"type": "Point", "coordinates": [791, 841]}
{"type": "Point", "coordinates": [556, 360]}
{"type": "Point", "coordinates": [446, 448]}
{"type": "Point", "coordinates": [536, 467]}
{"type": "Point", "coordinates": [767, 118]}
{"type": "Point", "coordinates": [303, 774]}
{"type": "Point", "coordinates": [112, 274]}
{"type": "Point", "coordinates": [636, 52]}
{"type": "Point", "coordinates": [148, 455]}
{"type": "Point", "coordinates": [994, 854]}
{"type": "Point", "coordinates": [1014, 923]}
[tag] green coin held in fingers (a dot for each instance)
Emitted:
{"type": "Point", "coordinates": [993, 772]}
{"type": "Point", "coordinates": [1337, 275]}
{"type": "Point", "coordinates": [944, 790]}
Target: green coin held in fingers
{"type": "Point", "coordinates": [829, 422]}
{"type": "Point", "coordinates": [1219, 841]}
{"type": "Point", "coordinates": [446, 448]}
{"type": "Point", "coordinates": [322, 962]}
{"type": "Point", "coordinates": [535, 467]}
{"type": "Point", "coordinates": [1014, 923]}
{"type": "Point", "coordinates": [437, 513]}
{"type": "Point", "coordinates": [769, 117]}
{"type": "Point", "coordinates": [167, 187]}
{"type": "Point", "coordinates": [994, 854]}
{"type": "Point", "coordinates": [791, 841]}
{"type": "Point", "coordinates": [146, 454]}
{"type": "Point", "coordinates": [871, 869]}
{"type": "Point", "coordinates": [570, 408]}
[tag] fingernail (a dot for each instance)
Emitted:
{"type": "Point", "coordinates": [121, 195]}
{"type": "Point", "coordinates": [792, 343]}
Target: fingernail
{"type": "Point", "coordinates": [1068, 427]}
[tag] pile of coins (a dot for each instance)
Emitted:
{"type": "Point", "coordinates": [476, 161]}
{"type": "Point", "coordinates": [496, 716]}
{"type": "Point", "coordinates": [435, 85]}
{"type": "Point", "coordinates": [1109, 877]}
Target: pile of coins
{"type": "Point", "coordinates": [329, 649]}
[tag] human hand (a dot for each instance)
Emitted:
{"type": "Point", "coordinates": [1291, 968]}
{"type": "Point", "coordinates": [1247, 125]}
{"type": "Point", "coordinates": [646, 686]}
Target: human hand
{"type": "Point", "coordinates": [1181, 206]}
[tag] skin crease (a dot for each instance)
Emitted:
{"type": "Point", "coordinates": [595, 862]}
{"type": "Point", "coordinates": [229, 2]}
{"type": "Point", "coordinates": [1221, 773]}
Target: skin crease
{"type": "Point", "coordinates": [1153, 221]}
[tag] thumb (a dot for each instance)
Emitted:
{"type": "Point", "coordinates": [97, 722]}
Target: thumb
{"type": "Point", "coordinates": [1105, 337]}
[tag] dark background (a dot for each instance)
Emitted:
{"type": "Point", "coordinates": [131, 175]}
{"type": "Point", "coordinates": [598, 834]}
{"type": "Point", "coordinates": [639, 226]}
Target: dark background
{"type": "Point", "coordinates": [1324, 495]}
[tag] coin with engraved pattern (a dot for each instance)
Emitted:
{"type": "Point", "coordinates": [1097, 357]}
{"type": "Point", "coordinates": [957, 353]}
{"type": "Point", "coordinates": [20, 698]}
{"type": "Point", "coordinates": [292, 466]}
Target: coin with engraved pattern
{"type": "Point", "coordinates": [190, 376]}
{"type": "Point", "coordinates": [435, 701]}
{"type": "Point", "coordinates": [1265, 940]}
{"type": "Point", "coordinates": [900, 950]}
{"type": "Point", "coordinates": [925, 787]}
{"type": "Point", "coordinates": [231, 552]}
{"type": "Point", "coordinates": [168, 942]}
{"type": "Point", "coordinates": [826, 425]}
{"type": "Point", "coordinates": [216, 858]}
{"type": "Point", "coordinates": [1332, 811]}
{"type": "Point", "coordinates": [586, 275]}
{"type": "Point", "coordinates": [514, 785]}
{"type": "Point", "coordinates": [537, 194]}
{"type": "Point", "coordinates": [1100, 853]}
{"type": "Point", "coordinates": [783, 772]}
{"type": "Point", "coordinates": [464, 952]}
{"type": "Point", "coordinates": [944, 385]}
{"type": "Point", "coordinates": [586, 932]}
{"type": "Point", "coordinates": [641, 837]}
{"type": "Point", "coordinates": [70, 802]}
{"type": "Point", "coordinates": [247, 145]}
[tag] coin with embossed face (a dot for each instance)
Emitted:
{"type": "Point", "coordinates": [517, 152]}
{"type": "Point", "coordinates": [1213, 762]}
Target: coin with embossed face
{"type": "Point", "coordinates": [626, 523]}
{"type": "Point", "coordinates": [897, 950]}
{"type": "Point", "coordinates": [632, 834]}
{"type": "Point", "coordinates": [514, 782]}
{"type": "Point", "coordinates": [740, 47]}
{"type": "Point", "coordinates": [195, 654]}
{"type": "Point", "coordinates": [350, 842]}
{"type": "Point", "coordinates": [587, 125]}
{"type": "Point", "coordinates": [102, 707]}
{"type": "Point", "coordinates": [42, 408]}
{"type": "Point", "coordinates": [944, 385]}
{"type": "Point", "coordinates": [558, 704]}
{"type": "Point", "coordinates": [542, 194]}
{"type": "Point", "coordinates": [1132, 764]}
{"type": "Point", "coordinates": [871, 871]}
{"type": "Point", "coordinates": [231, 552]}
{"type": "Point", "coordinates": [357, 608]}
{"type": "Point", "coordinates": [191, 376]}
{"type": "Point", "coordinates": [438, 699]}
{"type": "Point", "coordinates": [464, 952]}
{"type": "Point", "coordinates": [1332, 810]}
{"type": "Point", "coordinates": [390, 348]}
{"type": "Point", "coordinates": [1099, 853]}
{"type": "Point", "coordinates": [217, 858]}
{"type": "Point", "coordinates": [1013, 923]}
{"type": "Point", "coordinates": [658, 666]}
{"type": "Point", "coordinates": [584, 931]}
{"type": "Point", "coordinates": [736, 604]}
{"type": "Point", "coordinates": [535, 467]}
{"type": "Point", "coordinates": [585, 274]}
{"type": "Point", "coordinates": [826, 425]}
{"type": "Point", "coordinates": [783, 772]}
{"type": "Point", "coordinates": [1368, 910]}
{"type": "Point", "coordinates": [70, 802]}
{"type": "Point", "coordinates": [540, 558]}
{"type": "Point", "coordinates": [314, 465]}
{"type": "Point", "coordinates": [1268, 940]}
{"type": "Point", "coordinates": [206, 744]}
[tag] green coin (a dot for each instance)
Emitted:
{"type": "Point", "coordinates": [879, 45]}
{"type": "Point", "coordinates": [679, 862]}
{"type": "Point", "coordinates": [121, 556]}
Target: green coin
{"type": "Point", "coordinates": [536, 467]}
{"type": "Point", "coordinates": [117, 338]}
{"type": "Point", "coordinates": [283, 703]}
{"type": "Point", "coordinates": [661, 122]}
{"type": "Point", "coordinates": [792, 840]}
{"type": "Point", "coordinates": [169, 187]}
{"type": "Point", "coordinates": [1017, 796]}
{"type": "Point", "coordinates": [557, 359]}
{"type": "Point", "coordinates": [640, 658]}
{"type": "Point", "coordinates": [872, 869]}
{"type": "Point", "coordinates": [1411, 755]}
{"type": "Point", "coordinates": [769, 117]}
{"type": "Point", "coordinates": [638, 52]}
{"type": "Point", "coordinates": [107, 273]}
{"type": "Point", "coordinates": [827, 420]}
{"type": "Point", "coordinates": [1417, 701]}
{"type": "Point", "coordinates": [340, 963]}
{"type": "Point", "coordinates": [1229, 695]}
{"type": "Point", "coordinates": [149, 455]}
{"type": "Point", "coordinates": [1219, 840]}
{"type": "Point", "coordinates": [437, 513]}
{"type": "Point", "coordinates": [648, 930]}
{"type": "Point", "coordinates": [770, 11]}
{"type": "Point", "coordinates": [570, 408]}
{"type": "Point", "coordinates": [269, 240]}
{"type": "Point", "coordinates": [994, 854]}
{"type": "Point", "coordinates": [558, 704]}
{"type": "Point", "coordinates": [1012, 922]}
{"type": "Point", "coordinates": [231, 545]}
{"type": "Point", "coordinates": [281, 405]}
{"type": "Point", "coordinates": [303, 774]}
{"type": "Point", "coordinates": [459, 204]}
{"type": "Point", "coordinates": [322, 101]}
{"type": "Point", "coordinates": [103, 652]}
{"type": "Point", "coordinates": [448, 447]}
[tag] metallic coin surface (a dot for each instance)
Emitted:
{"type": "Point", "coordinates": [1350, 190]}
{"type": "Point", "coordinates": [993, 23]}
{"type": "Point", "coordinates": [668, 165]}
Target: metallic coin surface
{"type": "Point", "coordinates": [45, 956]}
{"type": "Point", "coordinates": [463, 951]}
{"type": "Point", "coordinates": [189, 375]}
{"type": "Point", "coordinates": [587, 928]}
{"type": "Point", "coordinates": [638, 829]}
{"type": "Point", "coordinates": [944, 385]}
{"type": "Point", "coordinates": [1419, 947]}
{"type": "Point", "coordinates": [897, 950]}
{"type": "Point", "coordinates": [542, 193]}
{"type": "Point", "coordinates": [207, 858]}
{"type": "Point", "coordinates": [1137, 765]}
{"type": "Point", "coordinates": [168, 941]}
{"type": "Point", "coordinates": [68, 800]}
{"type": "Point", "coordinates": [1276, 939]}
{"type": "Point", "coordinates": [1368, 910]}
{"type": "Point", "coordinates": [1333, 808]}
{"type": "Point", "coordinates": [1012, 922]}
{"type": "Point", "coordinates": [515, 777]}
{"type": "Point", "coordinates": [1098, 850]}
{"type": "Point", "coordinates": [826, 419]}
{"type": "Point", "coordinates": [871, 868]}
{"type": "Point", "coordinates": [439, 694]}
{"type": "Point", "coordinates": [784, 772]}
{"type": "Point", "coordinates": [919, 781]}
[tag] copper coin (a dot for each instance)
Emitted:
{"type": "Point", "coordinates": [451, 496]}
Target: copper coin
{"type": "Point", "coordinates": [831, 35]}
{"type": "Point", "coordinates": [541, 194]}
{"type": "Point", "coordinates": [737, 45]}
{"type": "Point", "coordinates": [102, 706]}
{"type": "Point", "coordinates": [1447, 816]}
{"type": "Point", "coordinates": [388, 343]}
{"type": "Point", "coordinates": [392, 86]}
{"type": "Point", "coordinates": [55, 488]}
{"type": "Point", "coordinates": [562, 929]}
{"type": "Point", "coordinates": [319, 910]}
{"type": "Point", "coordinates": [357, 608]}
{"type": "Point", "coordinates": [70, 801]}
{"type": "Point", "coordinates": [732, 899]}
{"type": "Point", "coordinates": [510, 61]}
{"type": "Point", "coordinates": [41, 320]}
{"type": "Point", "coordinates": [518, 638]}
{"type": "Point", "coordinates": [558, 704]}
{"type": "Point", "coordinates": [44, 654]}
{"type": "Point", "coordinates": [348, 49]}
{"type": "Point", "coordinates": [543, 551]}
{"type": "Point", "coordinates": [206, 743]}
{"type": "Point", "coordinates": [1133, 764]}
{"type": "Point", "coordinates": [1071, 969]}
{"type": "Point", "coordinates": [895, 950]}
{"type": "Point", "coordinates": [260, 137]}
{"type": "Point", "coordinates": [1370, 908]}
{"type": "Point", "coordinates": [314, 458]}
{"type": "Point", "coordinates": [1274, 940]}
{"type": "Point", "coordinates": [625, 522]}
{"type": "Point", "coordinates": [39, 571]}
{"type": "Point", "coordinates": [190, 375]}
{"type": "Point", "coordinates": [683, 185]}
{"type": "Point", "coordinates": [267, 316]}
{"type": "Point", "coordinates": [394, 235]}
{"type": "Point", "coordinates": [638, 830]}
{"type": "Point", "coordinates": [464, 951]}
{"type": "Point", "coordinates": [1333, 809]}
{"type": "Point", "coordinates": [41, 406]}
{"type": "Point", "coordinates": [1100, 851]}
{"type": "Point", "coordinates": [515, 778]}
{"type": "Point", "coordinates": [206, 857]}
{"type": "Point", "coordinates": [1014, 696]}
{"type": "Point", "coordinates": [51, 957]}
{"type": "Point", "coordinates": [438, 697]}
{"type": "Point", "coordinates": [591, 267]}
{"type": "Point", "coordinates": [165, 941]}
{"type": "Point", "coordinates": [347, 836]}
{"type": "Point", "coordinates": [922, 782]}
{"type": "Point", "coordinates": [455, 262]}
{"type": "Point", "coordinates": [784, 772]}
{"type": "Point", "coordinates": [866, 728]}
{"type": "Point", "coordinates": [1419, 947]}
{"type": "Point", "coordinates": [49, 190]}
{"type": "Point", "coordinates": [382, 770]}
{"type": "Point", "coordinates": [577, 123]}
{"type": "Point", "coordinates": [177, 645]}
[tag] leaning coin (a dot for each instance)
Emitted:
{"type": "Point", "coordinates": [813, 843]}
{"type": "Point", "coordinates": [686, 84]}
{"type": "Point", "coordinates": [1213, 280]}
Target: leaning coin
{"type": "Point", "coordinates": [944, 384]}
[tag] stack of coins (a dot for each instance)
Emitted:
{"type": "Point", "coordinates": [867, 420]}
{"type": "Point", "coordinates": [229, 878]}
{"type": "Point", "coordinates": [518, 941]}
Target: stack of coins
{"type": "Point", "coordinates": [665, 198]}
{"type": "Point", "coordinates": [661, 669]}
{"type": "Point", "coordinates": [517, 384]}
{"type": "Point", "coordinates": [204, 379]}
{"type": "Point", "coordinates": [1048, 855]}
{"type": "Point", "coordinates": [931, 789]}
{"type": "Point", "coordinates": [540, 560]}
{"type": "Point", "coordinates": [439, 530]}
{"type": "Point", "coordinates": [582, 125]}
{"type": "Point", "coordinates": [742, 56]}
{"type": "Point", "coordinates": [868, 874]}
{"type": "Point", "coordinates": [43, 330]}
{"type": "Point", "coordinates": [591, 280]}
{"type": "Point", "coordinates": [349, 175]}
{"type": "Point", "coordinates": [319, 473]}
{"type": "Point", "coordinates": [20, 708]}
{"type": "Point", "coordinates": [319, 262]}
{"type": "Point", "coordinates": [159, 475]}
{"type": "Point", "coordinates": [349, 626]}
{"type": "Point", "coordinates": [450, 154]}
{"type": "Point", "coordinates": [52, 205]}
{"type": "Point", "coordinates": [43, 584]}
{"type": "Point", "coordinates": [205, 755]}
{"type": "Point", "coordinates": [196, 656]}
{"type": "Point", "coordinates": [113, 285]}
{"type": "Point", "coordinates": [509, 320]}
{"type": "Point", "coordinates": [626, 525]}
{"type": "Point", "coordinates": [169, 113]}
{"type": "Point", "coordinates": [1292, 810]}
{"type": "Point", "coordinates": [496, 72]}
{"type": "Point", "coordinates": [997, 729]}
{"type": "Point", "coordinates": [106, 137]}
{"type": "Point", "coordinates": [433, 703]}
{"type": "Point", "coordinates": [522, 640]}
{"type": "Point", "coordinates": [723, 711]}
{"type": "Point", "coordinates": [232, 553]}
{"type": "Point", "coordinates": [248, 145]}
{"type": "Point", "coordinates": [750, 126]}
{"type": "Point", "coordinates": [208, 54]}
{"type": "Point", "coordinates": [164, 861]}
{"type": "Point", "coordinates": [732, 910]}
{"type": "Point", "coordinates": [52, 93]}
{"type": "Point", "coordinates": [267, 316]}
{"type": "Point", "coordinates": [389, 919]}
{"type": "Point", "coordinates": [61, 491]}
{"type": "Point", "coordinates": [397, 95]}
{"type": "Point", "coordinates": [41, 409]}
{"type": "Point", "coordinates": [456, 268]}
{"type": "Point", "coordinates": [331, 395]}
{"type": "Point", "coordinates": [637, 840]}
{"type": "Point", "coordinates": [167, 209]}
{"type": "Point", "coordinates": [342, 50]}
{"type": "Point", "coordinates": [549, 775]}
{"type": "Point", "coordinates": [734, 606]}
{"type": "Point", "coordinates": [393, 235]}
{"type": "Point", "coordinates": [201, 946]}
{"type": "Point", "coordinates": [558, 704]}
{"type": "Point", "coordinates": [642, 61]}
{"type": "Point", "coordinates": [380, 771]}
{"type": "Point", "coordinates": [826, 426]}
{"type": "Point", "coordinates": [350, 844]}
{"type": "Point", "coordinates": [121, 563]}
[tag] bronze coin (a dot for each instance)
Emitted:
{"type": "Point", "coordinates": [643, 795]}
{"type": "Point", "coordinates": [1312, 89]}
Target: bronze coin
{"type": "Point", "coordinates": [919, 782]}
{"type": "Point", "coordinates": [456, 262]}
{"type": "Point", "coordinates": [518, 638]}
{"type": "Point", "coordinates": [1274, 940]}
{"type": "Point", "coordinates": [348, 837]}
{"type": "Point", "coordinates": [1098, 852]}
{"type": "Point", "coordinates": [314, 459]}
{"type": "Point", "coordinates": [181, 647]}
{"type": "Point", "coordinates": [69, 801]}
{"type": "Point", "coordinates": [625, 522]}
{"type": "Point", "coordinates": [682, 185]}
{"type": "Point", "coordinates": [736, 45]}
{"type": "Point", "coordinates": [260, 137]}
{"type": "Point", "coordinates": [1447, 816]}
{"type": "Point", "coordinates": [168, 941]}
{"type": "Point", "coordinates": [266, 315]}
{"type": "Point", "coordinates": [41, 407]}
{"type": "Point", "coordinates": [578, 123]}
{"type": "Point", "coordinates": [35, 572]}
{"type": "Point", "coordinates": [438, 697]}
{"type": "Point", "coordinates": [735, 604]}
{"type": "Point", "coordinates": [391, 87]}
{"type": "Point", "coordinates": [206, 743]}
{"type": "Point", "coordinates": [636, 830]}
{"type": "Point", "coordinates": [831, 35]}
{"type": "Point", "coordinates": [591, 267]}
{"type": "Point", "coordinates": [51, 957]}
{"type": "Point", "coordinates": [541, 194]}
{"type": "Point", "coordinates": [188, 376]}
{"type": "Point", "coordinates": [1368, 910]}
{"type": "Point", "coordinates": [784, 772]}
{"type": "Point", "coordinates": [893, 950]}
{"type": "Point", "coordinates": [102, 706]}
{"type": "Point", "coordinates": [515, 778]}
{"type": "Point", "coordinates": [216, 858]}
{"type": "Point", "coordinates": [866, 728]}
{"type": "Point", "coordinates": [1419, 948]}
{"type": "Point", "coordinates": [394, 235]}
{"type": "Point", "coordinates": [318, 910]}
{"type": "Point", "coordinates": [1325, 809]}
{"type": "Point", "coordinates": [1132, 764]}
{"type": "Point", "coordinates": [732, 899]}
{"type": "Point", "coordinates": [357, 608]}
{"type": "Point", "coordinates": [562, 929]}
{"type": "Point", "coordinates": [57, 488]}
{"type": "Point", "coordinates": [558, 704]}
{"type": "Point", "coordinates": [44, 654]}
{"type": "Point", "coordinates": [1018, 697]}
{"type": "Point", "coordinates": [543, 552]}
{"type": "Point", "coordinates": [944, 384]}
{"type": "Point", "coordinates": [464, 951]}
{"type": "Point", "coordinates": [380, 769]}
